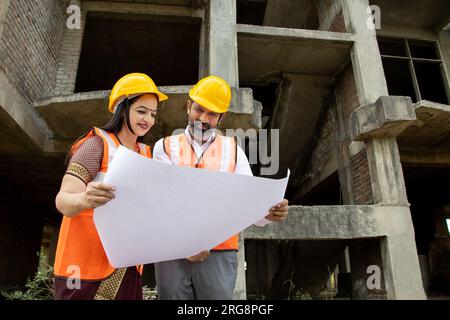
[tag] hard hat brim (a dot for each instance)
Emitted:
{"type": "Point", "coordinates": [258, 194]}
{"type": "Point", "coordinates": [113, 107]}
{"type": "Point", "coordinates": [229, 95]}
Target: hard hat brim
{"type": "Point", "coordinates": [161, 97]}
{"type": "Point", "coordinates": [207, 104]}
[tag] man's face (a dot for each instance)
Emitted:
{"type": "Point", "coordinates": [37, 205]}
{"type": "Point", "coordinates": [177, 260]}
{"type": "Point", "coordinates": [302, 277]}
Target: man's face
{"type": "Point", "coordinates": [201, 120]}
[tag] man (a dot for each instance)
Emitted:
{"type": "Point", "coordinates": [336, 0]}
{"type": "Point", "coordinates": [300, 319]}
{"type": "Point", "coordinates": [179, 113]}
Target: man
{"type": "Point", "coordinates": [209, 274]}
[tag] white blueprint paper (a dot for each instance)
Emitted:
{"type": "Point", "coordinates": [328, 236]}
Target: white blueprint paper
{"type": "Point", "coordinates": [163, 212]}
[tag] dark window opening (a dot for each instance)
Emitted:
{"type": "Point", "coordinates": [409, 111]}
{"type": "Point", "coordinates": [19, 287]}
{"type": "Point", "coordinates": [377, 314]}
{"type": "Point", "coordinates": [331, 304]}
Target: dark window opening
{"type": "Point", "coordinates": [267, 95]}
{"type": "Point", "coordinates": [251, 11]}
{"type": "Point", "coordinates": [294, 269]}
{"type": "Point", "coordinates": [413, 68]}
{"type": "Point", "coordinates": [392, 47]}
{"type": "Point", "coordinates": [431, 85]}
{"type": "Point", "coordinates": [327, 192]}
{"type": "Point", "coordinates": [423, 49]}
{"type": "Point", "coordinates": [427, 191]}
{"type": "Point", "coordinates": [399, 78]}
{"type": "Point", "coordinates": [165, 48]}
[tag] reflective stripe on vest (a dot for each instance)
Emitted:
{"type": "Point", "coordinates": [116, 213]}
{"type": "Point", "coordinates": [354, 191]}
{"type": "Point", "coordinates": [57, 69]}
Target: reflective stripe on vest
{"type": "Point", "coordinates": [219, 156]}
{"type": "Point", "coordinates": [79, 253]}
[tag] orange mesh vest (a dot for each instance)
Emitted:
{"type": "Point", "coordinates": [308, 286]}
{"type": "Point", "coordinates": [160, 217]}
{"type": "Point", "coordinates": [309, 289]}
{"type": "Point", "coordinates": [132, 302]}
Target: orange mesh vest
{"type": "Point", "coordinates": [80, 253]}
{"type": "Point", "coordinates": [219, 156]}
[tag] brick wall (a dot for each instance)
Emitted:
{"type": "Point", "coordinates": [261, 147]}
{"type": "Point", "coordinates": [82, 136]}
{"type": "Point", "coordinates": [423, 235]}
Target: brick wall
{"type": "Point", "coordinates": [347, 95]}
{"type": "Point", "coordinates": [30, 45]}
{"type": "Point", "coordinates": [323, 148]}
{"type": "Point", "coordinates": [361, 183]}
{"type": "Point", "coordinates": [70, 55]}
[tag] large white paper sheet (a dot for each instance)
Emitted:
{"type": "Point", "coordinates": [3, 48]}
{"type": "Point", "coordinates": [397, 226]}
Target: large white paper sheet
{"type": "Point", "coordinates": [163, 212]}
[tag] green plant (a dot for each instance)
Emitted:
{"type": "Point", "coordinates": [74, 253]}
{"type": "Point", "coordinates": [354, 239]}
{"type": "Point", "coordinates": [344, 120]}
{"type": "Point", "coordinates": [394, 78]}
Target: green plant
{"type": "Point", "coordinates": [38, 288]}
{"type": "Point", "coordinates": [301, 295]}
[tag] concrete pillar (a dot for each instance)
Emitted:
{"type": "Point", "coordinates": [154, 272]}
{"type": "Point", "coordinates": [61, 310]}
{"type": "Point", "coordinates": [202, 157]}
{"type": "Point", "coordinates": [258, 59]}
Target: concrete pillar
{"type": "Point", "coordinates": [444, 45]}
{"type": "Point", "coordinates": [222, 62]}
{"type": "Point", "coordinates": [222, 41]}
{"type": "Point", "coordinates": [70, 56]}
{"type": "Point", "coordinates": [384, 163]}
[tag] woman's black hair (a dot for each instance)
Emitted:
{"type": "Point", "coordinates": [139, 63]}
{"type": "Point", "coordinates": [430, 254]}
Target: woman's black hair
{"type": "Point", "coordinates": [122, 113]}
{"type": "Point", "coordinates": [114, 124]}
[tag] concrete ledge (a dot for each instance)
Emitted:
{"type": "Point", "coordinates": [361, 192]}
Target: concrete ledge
{"type": "Point", "coordinates": [430, 129]}
{"type": "Point", "coordinates": [265, 52]}
{"type": "Point", "coordinates": [68, 116]}
{"type": "Point", "coordinates": [19, 118]}
{"type": "Point", "coordinates": [336, 223]}
{"type": "Point", "coordinates": [294, 34]}
{"type": "Point", "coordinates": [387, 117]}
{"type": "Point", "coordinates": [166, 8]}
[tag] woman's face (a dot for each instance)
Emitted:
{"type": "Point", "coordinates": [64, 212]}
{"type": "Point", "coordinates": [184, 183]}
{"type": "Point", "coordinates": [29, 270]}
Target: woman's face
{"type": "Point", "coordinates": [143, 113]}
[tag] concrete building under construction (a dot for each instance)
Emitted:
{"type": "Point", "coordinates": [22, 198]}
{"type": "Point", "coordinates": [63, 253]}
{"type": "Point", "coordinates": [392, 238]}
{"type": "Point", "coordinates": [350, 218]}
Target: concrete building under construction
{"type": "Point", "coordinates": [359, 90]}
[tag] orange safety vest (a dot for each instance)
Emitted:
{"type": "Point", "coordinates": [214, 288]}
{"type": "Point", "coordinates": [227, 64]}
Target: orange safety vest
{"type": "Point", "coordinates": [220, 155]}
{"type": "Point", "coordinates": [80, 253]}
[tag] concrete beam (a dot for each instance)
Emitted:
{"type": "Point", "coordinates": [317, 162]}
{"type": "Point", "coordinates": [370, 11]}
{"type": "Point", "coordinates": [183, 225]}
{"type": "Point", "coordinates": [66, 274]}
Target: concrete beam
{"type": "Point", "coordinates": [19, 115]}
{"type": "Point", "coordinates": [143, 8]}
{"type": "Point", "coordinates": [387, 117]}
{"type": "Point", "coordinates": [336, 223]}
{"type": "Point", "coordinates": [391, 224]}
{"type": "Point", "coordinates": [425, 157]}
{"type": "Point", "coordinates": [266, 52]}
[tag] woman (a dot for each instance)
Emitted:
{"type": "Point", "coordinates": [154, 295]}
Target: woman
{"type": "Point", "coordinates": [82, 270]}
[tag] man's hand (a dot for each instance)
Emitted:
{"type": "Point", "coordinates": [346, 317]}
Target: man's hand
{"type": "Point", "coordinates": [279, 212]}
{"type": "Point", "coordinates": [199, 257]}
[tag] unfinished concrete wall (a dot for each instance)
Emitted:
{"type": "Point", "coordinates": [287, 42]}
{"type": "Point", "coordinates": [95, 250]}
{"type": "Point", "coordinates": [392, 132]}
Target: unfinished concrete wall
{"type": "Point", "coordinates": [31, 39]}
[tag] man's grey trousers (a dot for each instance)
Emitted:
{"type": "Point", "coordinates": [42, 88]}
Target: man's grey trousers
{"type": "Point", "coordinates": [211, 279]}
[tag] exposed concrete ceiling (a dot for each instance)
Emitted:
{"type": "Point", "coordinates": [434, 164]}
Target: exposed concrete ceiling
{"type": "Point", "coordinates": [430, 130]}
{"type": "Point", "coordinates": [428, 14]}
{"type": "Point", "coordinates": [70, 116]}
{"type": "Point", "coordinates": [266, 52]}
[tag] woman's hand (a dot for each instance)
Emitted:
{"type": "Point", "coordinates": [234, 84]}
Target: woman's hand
{"type": "Point", "coordinates": [75, 197]}
{"type": "Point", "coordinates": [199, 257]}
{"type": "Point", "coordinates": [279, 212]}
{"type": "Point", "coordinates": [97, 194]}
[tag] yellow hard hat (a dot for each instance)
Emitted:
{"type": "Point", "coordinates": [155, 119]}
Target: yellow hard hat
{"type": "Point", "coordinates": [212, 93]}
{"type": "Point", "coordinates": [132, 85]}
